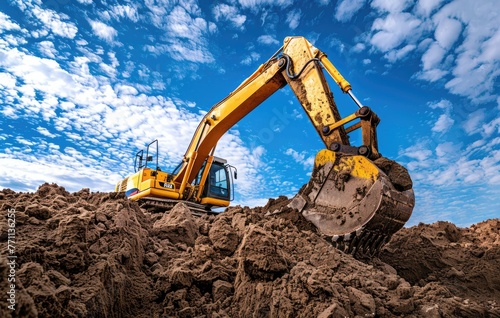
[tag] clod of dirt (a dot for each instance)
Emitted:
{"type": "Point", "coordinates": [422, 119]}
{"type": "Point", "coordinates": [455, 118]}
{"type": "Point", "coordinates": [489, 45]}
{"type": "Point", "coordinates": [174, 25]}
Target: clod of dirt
{"type": "Point", "coordinates": [465, 261]}
{"type": "Point", "coordinates": [398, 174]}
{"type": "Point", "coordinates": [99, 255]}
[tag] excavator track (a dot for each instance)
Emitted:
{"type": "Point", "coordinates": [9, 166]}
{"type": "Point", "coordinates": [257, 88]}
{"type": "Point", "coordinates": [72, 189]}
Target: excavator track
{"type": "Point", "coordinates": [353, 203]}
{"type": "Point", "coordinates": [153, 204]}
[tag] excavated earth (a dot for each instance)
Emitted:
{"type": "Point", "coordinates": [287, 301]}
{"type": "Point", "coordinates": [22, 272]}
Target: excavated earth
{"type": "Point", "coordinates": [99, 255]}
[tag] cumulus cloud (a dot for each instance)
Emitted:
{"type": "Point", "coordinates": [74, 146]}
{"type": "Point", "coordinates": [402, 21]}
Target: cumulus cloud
{"type": "Point", "coordinates": [186, 33]}
{"type": "Point", "coordinates": [48, 49]}
{"type": "Point", "coordinates": [7, 24]}
{"type": "Point", "coordinates": [346, 9]}
{"type": "Point", "coordinates": [443, 123]}
{"type": "Point", "coordinates": [302, 158]}
{"type": "Point", "coordinates": [225, 12]}
{"type": "Point", "coordinates": [395, 55]}
{"type": "Point", "coordinates": [447, 32]}
{"type": "Point", "coordinates": [120, 12]}
{"type": "Point", "coordinates": [459, 42]}
{"type": "Point", "coordinates": [258, 4]}
{"type": "Point", "coordinates": [103, 31]}
{"type": "Point", "coordinates": [393, 30]}
{"type": "Point", "coordinates": [44, 131]}
{"type": "Point", "coordinates": [252, 57]}
{"type": "Point", "coordinates": [473, 122]}
{"type": "Point", "coordinates": [426, 7]}
{"type": "Point", "coordinates": [390, 5]}
{"type": "Point", "coordinates": [293, 18]}
{"type": "Point", "coordinates": [53, 21]}
{"type": "Point", "coordinates": [267, 40]}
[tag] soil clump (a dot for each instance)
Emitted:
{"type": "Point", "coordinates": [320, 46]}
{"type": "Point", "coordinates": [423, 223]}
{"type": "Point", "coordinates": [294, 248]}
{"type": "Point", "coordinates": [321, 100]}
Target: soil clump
{"type": "Point", "coordinates": [89, 254]}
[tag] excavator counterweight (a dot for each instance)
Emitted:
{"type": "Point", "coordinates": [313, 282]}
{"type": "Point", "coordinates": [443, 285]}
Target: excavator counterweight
{"type": "Point", "coordinates": [353, 197]}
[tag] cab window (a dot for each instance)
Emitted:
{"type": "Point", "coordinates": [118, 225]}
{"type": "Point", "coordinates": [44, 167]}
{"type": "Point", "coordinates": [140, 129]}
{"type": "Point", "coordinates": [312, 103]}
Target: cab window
{"type": "Point", "coordinates": [218, 182]}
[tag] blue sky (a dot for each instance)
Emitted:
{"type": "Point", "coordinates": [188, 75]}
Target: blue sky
{"type": "Point", "coordinates": [84, 84]}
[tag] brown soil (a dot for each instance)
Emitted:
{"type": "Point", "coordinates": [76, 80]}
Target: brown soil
{"type": "Point", "coordinates": [99, 255]}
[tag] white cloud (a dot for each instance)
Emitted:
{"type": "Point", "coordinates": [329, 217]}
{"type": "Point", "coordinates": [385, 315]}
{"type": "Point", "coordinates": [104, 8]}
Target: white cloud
{"type": "Point", "coordinates": [474, 121]}
{"type": "Point", "coordinates": [359, 47]}
{"type": "Point", "coordinates": [44, 131]}
{"type": "Point", "coordinates": [267, 39]}
{"type": "Point", "coordinates": [336, 43]}
{"type": "Point", "coordinates": [258, 4]}
{"type": "Point", "coordinates": [393, 30]}
{"type": "Point", "coordinates": [53, 22]}
{"type": "Point", "coordinates": [188, 51]}
{"type": "Point", "coordinates": [431, 63]}
{"type": "Point", "coordinates": [426, 7]}
{"type": "Point", "coordinates": [447, 32]}
{"type": "Point", "coordinates": [186, 34]}
{"type": "Point", "coordinates": [301, 158]}
{"type": "Point", "coordinates": [445, 149]}
{"type": "Point", "coordinates": [443, 124]}
{"type": "Point", "coordinates": [323, 2]}
{"type": "Point", "coordinates": [460, 41]}
{"type": "Point", "coordinates": [37, 73]}
{"type": "Point", "coordinates": [390, 5]}
{"type": "Point", "coordinates": [120, 12]}
{"type": "Point", "coordinates": [224, 12]}
{"type": "Point", "coordinates": [7, 24]}
{"type": "Point", "coordinates": [418, 152]}
{"type": "Point", "coordinates": [395, 55]}
{"type": "Point", "coordinates": [346, 9]}
{"type": "Point", "coordinates": [432, 75]}
{"type": "Point", "coordinates": [491, 128]}
{"type": "Point", "coordinates": [7, 81]}
{"type": "Point", "coordinates": [47, 49]}
{"type": "Point", "coordinates": [443, 104]}
{"type": "Point", "coordinates": [126, 11]}
{"type": "Point", "coordinates": [477, 64]}
{"type": "Point", "coordinates": [36, 173]}
{"type": "Point", "coordinates": [103, 31]}
{"type": "Point", "coordinates": [253, 57]}
{"type": "Point", "coordinates": [433, 56]}
{"type": "Point", "coordinates": [293, 18]}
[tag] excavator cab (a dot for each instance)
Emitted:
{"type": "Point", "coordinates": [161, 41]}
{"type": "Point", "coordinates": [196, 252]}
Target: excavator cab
{"type": "Point", "coordinates": [219, 183]}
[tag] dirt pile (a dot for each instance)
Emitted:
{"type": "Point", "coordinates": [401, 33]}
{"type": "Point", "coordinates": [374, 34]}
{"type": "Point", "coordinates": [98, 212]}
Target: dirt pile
{"type": "Point", "coordinates": [465, 261]}
{"type": "Point", "coordinates": [99, 255]}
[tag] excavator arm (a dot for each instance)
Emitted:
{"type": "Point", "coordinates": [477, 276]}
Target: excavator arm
{"type": "Point", "coordinates": [298, 64]}
{"type": "Point", "coordinates": [355, 197]}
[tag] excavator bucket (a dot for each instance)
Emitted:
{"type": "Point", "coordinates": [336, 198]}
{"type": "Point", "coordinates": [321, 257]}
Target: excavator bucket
{"type": "Point", "coordinates": [353, 202]}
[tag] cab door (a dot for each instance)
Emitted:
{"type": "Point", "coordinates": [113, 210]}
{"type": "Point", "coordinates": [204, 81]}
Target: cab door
{"type": "Point", "coordinates": [218, 183]}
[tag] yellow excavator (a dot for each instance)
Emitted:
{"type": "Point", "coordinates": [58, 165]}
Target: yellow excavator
{"type": "Point", "coordinates": [355, 198]}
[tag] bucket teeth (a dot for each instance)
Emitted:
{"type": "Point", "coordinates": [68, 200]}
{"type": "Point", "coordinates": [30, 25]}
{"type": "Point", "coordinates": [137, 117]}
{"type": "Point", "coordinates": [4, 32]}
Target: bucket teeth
{"type": "Point", "coordinates": [361, 244]}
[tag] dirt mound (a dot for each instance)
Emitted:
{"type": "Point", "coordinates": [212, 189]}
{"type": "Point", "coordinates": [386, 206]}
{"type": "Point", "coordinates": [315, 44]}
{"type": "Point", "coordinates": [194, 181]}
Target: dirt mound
{"type": "Point", "coordinates": [99, 255]}
{"type": "Point", "coordinates": [466, 261]}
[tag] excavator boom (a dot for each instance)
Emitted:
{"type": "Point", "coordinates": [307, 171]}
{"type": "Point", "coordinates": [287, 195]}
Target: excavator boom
{"type": "Point", "coordinates": [348, 198]}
